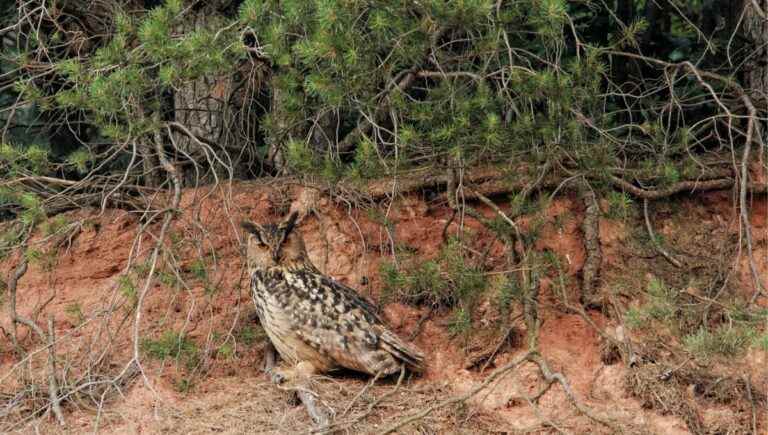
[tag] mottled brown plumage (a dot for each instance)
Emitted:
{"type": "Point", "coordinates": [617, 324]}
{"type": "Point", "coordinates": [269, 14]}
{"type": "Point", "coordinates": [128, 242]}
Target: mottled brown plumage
{"type": "Point", "coordinates": [315, 323]}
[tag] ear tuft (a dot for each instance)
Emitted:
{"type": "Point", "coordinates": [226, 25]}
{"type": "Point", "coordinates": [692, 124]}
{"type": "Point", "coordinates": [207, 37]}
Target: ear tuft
{"type": "Point", "coordinates": [290, 222]}
{"type": "Point", "coordinates": [250, 227]}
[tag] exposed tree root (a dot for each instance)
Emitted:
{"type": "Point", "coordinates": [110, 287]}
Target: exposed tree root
{"type": "Point", "coordinates": [530, 315]}
{"type": "Point", "coordinates": [493, 180]}
{"type": "Point", "coordinates": [550, 377]}
{"type": "Point", "coordinates": [12, 286]}
{"type": "Point", "coordinates": [753, 130]}
{"type": "Point", "coordinates": [590, 227]}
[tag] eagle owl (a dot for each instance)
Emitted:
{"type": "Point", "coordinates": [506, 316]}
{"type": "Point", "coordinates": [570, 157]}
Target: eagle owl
{"type": "Point", "coordinates": [315, 323]}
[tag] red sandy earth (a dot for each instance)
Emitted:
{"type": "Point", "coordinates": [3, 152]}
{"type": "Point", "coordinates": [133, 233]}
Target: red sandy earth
{"type": "Point", "coordinates": [88, 270]}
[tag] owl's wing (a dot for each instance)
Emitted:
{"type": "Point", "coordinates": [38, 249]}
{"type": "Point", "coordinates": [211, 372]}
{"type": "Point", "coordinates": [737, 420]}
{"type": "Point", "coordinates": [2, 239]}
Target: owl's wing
{"type": "Point", "coordinates": [334, 319]}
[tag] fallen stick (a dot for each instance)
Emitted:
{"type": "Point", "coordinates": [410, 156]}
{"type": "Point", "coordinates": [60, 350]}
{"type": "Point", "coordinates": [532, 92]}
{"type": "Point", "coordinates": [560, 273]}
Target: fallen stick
{"type": "Point", "coordinates": [53, 387]}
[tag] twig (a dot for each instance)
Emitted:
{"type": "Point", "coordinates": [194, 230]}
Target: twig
{"type": "Point", "coordinates": [748, 386]}
{"type": "Point", "coordinates": [655, 242]}
{"type": "Point", "coordinates": [458, 399]}
{"type": "Point", "coordinates": [361, 392]}
{"type": "Point", "coordinates": [417, 329]}
{"type": "Point", "coordinates": [372, 405]}
{"type": "Point", "coordinates": [504, 340]}
{"type": "Point", "coordinates": [763, 14]}
{"type": "Point", "coordinates": [169, 213]}
{"type": "Point", "coordinates": [53, 387]}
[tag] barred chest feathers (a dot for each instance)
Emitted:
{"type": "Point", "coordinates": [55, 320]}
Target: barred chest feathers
{"type": "Point", "coordinates": [275, 305]}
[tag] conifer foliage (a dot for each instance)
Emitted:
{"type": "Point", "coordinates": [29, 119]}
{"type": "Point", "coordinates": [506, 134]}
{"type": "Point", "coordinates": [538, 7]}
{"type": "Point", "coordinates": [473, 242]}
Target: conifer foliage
{"type": "Point", "coordinates": [354, 89]}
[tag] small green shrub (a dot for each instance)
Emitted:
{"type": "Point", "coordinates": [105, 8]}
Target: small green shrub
{"type": "Point", "coordinates": [619, 205]}
{"type": "Point", "coordinates": [468, 281]}
{"type": "Point", "coordinates": [761, 342]}
{"type": "Point", "coordinates": [46, 259]}
{"type": "Point", "coordinates": [75, 312]}
{"type": "Point", "coordinates": [172, 345]}
{"type": "Point", "coordinates": [249, 335]}
{"type": "Point", "coordinates": [168, 279]}
{"type": "Point", "coordinates": [461, 322]}
{"type": "Point", "coordinates": [53, 225]}
{"type": "Point", "coordinates": [635, 318]}
{"type": "Point", "coordinates": [198, 269]}
{"type": "Point", "coordinates": [128, 289]}
{"type": "Point", "coordinates": [176, 238]}
{"type": "Point", "coordinates": [663, 300]}
{"type": "Point", "coordinates": [184, 385]}
{"type": "Point", "coordinates": [141, 269]}
{"type": "Point", "coordinates": [226, 351]}
{"type": "Point", "coordinates": [33, 210]}
{"type": "Point", "coordinates": [662, 305]}
{"type": "Point", "coordinates": [444, 281]}
{"type": "Point", "coordinates": [509, 291]}
{"type": "Point", "coordinates": [526, 205]}
{"type": "Point", "coordinates": [724, 341]}
{"type": "Point", "coordinates": [416, 283]}
{"type": "Point", "coordinates": [9, 239]}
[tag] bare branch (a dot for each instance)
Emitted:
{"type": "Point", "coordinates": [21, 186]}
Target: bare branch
{"type": "Point", "coordinates": [654, 241]}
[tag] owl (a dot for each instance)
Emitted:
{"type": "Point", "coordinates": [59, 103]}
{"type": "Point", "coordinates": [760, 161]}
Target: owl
{"type": "Point", "coordinates": [315, 323]}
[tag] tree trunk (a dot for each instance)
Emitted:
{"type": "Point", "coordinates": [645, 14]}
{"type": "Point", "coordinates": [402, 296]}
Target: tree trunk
{"type": "Point", "coordinates": [756, 31]}
{"type": "Point", "coordinates": [201, 105]}
{"type": "Point", "coordinates": [280, 135]}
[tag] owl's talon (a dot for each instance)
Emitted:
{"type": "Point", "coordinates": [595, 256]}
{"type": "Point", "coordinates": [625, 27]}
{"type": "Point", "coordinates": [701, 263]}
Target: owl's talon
{"type": "Point", "coordinates": [277, 377]}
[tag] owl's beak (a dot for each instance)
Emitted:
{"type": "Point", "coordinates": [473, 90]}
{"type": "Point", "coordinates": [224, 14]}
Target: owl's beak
{"type": "Point", "coordinates": [276, 255]}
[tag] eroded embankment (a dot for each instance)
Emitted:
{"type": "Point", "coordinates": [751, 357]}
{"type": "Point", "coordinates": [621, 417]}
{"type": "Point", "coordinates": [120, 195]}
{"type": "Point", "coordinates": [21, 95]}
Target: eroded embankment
{"type": "Point", "coordinates": [200, 344]}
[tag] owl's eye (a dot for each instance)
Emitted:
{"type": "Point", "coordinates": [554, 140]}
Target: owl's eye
{"type": "Point", "coordinates": [256, 238]}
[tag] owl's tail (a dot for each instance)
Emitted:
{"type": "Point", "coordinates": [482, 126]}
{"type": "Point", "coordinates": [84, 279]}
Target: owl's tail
{"type": "Point", "coordinates": [402, 351]}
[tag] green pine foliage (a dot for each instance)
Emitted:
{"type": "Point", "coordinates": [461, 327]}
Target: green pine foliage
{"type": "Point", "coordinates": [475, 81]}
{"type": "Point", "coordinates": [673, 316]}
{"type": "Point", "coordinates": [348, 57]}
{"type": "Point", "coordinates": [120, 82]}
{"type": "Point", "coordinates": [723, 341]}
{"type": "Point", "coordinates": [115, 89]}
{"type": "Point", "coordinates": [448, 281]}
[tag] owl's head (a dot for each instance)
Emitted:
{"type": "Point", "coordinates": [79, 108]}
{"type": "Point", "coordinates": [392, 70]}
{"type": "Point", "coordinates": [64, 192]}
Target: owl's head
{"type": "Point", "coordinates": [274, 244]}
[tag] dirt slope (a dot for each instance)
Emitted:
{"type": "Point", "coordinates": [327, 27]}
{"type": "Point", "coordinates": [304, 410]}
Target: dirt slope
{"type": "Point", "coordinates": [88, 282]}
